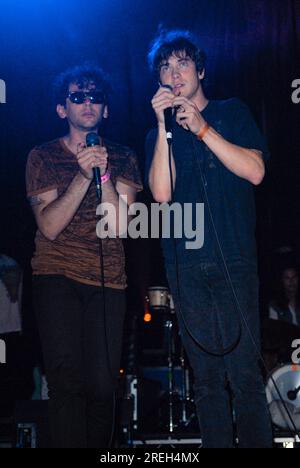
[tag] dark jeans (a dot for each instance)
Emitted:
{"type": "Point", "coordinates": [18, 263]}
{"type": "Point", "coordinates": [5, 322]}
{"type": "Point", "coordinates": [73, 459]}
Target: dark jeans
{"type": "Point", "coordinates": [212, 318]}
{"type": "Point", "coordinates": [80, 358]}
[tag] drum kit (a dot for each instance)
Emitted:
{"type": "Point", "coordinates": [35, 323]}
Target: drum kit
{"type": "Point", "coordinates": [277, 339]}
{"type": "Point", "coordinates": [180, 406]}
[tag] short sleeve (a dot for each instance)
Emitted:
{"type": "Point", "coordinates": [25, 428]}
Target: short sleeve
{"type": "Point", "coordinates": [128, 171]}
{"type": "Point", "coordinates": [40, 173]}
{"type": "Point", "coordinates": [246, 131]}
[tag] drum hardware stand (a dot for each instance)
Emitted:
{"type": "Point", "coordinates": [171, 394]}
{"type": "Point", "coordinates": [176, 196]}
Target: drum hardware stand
{"type": "Point", "coordinates": [185, 398]}
{"type": "Point", "coordinates": [169, 327]}
{"type": "Point", "coordinates": [158, 299]}
{"type": "Point", "coordinates": [185, 389]}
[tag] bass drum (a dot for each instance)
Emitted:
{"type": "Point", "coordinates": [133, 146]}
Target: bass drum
{"type": "Point", "coordinates": [287, 379]}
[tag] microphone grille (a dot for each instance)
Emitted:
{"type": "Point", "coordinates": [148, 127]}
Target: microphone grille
{"type": "Point", "coordinates": [92, 139]}
{"type": "Point", "coordinates": [167, 86]}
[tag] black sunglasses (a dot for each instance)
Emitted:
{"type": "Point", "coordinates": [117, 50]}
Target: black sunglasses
{"type": "Point", "coordinates": [79, 97]}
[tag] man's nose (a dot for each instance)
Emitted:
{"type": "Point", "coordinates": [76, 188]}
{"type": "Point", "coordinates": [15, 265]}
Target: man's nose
{"type": "Point", "coordinates": [87, 101]}
{"type": "Point", "coordinates": [175, 72]}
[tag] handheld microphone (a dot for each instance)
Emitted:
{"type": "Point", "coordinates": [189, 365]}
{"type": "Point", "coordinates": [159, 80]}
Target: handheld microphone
{"type": "Point", "coordinates": [169, 124]}
{"type": "Point", "coordinates": [92, 139]}
{"type": "Point", "coordinates": [168, 114]}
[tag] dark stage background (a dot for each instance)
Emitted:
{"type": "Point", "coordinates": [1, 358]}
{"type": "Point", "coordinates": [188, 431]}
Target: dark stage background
{"type": "Point", "coordinates": [253, 53]}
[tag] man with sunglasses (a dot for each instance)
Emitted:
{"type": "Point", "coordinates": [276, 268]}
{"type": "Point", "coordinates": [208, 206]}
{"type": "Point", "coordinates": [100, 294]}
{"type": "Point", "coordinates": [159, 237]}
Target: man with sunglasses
{"type": "Point", "coordinates": [81, 341]}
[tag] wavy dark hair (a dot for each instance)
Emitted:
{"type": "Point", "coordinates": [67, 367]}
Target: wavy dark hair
{"type": "Point", "coordinates": [175, 42]}
{"type": "Point", "coordinates": [83, 75]}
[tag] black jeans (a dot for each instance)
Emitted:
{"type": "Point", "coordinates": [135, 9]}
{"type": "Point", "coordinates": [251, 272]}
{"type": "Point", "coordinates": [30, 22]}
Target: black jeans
{"type": "Point", "coordinates": [209, 313]}
{"type": "Point", "coordinates": [81, 358]}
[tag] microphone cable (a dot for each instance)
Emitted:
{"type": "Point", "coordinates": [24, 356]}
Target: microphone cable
{"type": "Point", "coordinates": [228, 278]}
{"type": "Point", "coordinates": [99, 193]}
{"type": "Point", "coordinates": [211, 352]}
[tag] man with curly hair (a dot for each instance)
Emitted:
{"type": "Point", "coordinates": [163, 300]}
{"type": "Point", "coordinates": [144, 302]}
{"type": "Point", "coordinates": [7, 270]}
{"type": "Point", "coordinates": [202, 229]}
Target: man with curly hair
{"type": "Point", "coordinates": [81, 333]}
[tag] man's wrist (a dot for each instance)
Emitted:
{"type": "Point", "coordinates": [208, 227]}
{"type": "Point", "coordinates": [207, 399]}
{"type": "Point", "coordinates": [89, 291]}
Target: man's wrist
{"type": "Point", "coordinates": [202, 132]}
{"type": "Point", "coordinates": [161, 130]}
{"type": "Point", "coordinates": [85, 176]}
{"type": "Point", "coordinates": [105, 178]}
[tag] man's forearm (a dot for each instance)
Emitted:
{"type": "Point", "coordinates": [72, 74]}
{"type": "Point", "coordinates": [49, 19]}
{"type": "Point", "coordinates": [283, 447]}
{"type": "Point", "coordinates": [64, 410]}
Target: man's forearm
{"type": "Point", "coordinates": [244, 163]}
{"type": "Point", "coordinates": [56, 216]}
{"type": "Point", "coordinates": [159, 174]}
{"type": "Point", "coordinates": [117, 224]}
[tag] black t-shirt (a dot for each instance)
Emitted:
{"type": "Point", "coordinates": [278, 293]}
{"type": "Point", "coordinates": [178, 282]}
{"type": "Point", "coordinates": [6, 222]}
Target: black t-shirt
{"type": "Point", "coordinates": [231, 198]}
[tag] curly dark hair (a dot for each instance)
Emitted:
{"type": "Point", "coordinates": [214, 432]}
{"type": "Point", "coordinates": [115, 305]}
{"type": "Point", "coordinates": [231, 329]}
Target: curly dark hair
{"type": "Point", "coordinates": [175, 42]}
{"type": "Point", "coordinates": [83, 75]}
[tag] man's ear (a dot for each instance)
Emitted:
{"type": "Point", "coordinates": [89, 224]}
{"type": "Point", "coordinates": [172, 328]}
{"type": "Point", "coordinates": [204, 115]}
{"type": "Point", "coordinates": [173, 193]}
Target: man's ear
{"type": "Point", "coordinates": [105, 112]}
{"type": "Point", "coordinates": [61, 110]}
{"type": "Point", "coordinates": [201, 75]}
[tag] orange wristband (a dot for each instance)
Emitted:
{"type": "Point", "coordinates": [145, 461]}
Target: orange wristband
{"type": "Point", "coordinates": [202, 132]}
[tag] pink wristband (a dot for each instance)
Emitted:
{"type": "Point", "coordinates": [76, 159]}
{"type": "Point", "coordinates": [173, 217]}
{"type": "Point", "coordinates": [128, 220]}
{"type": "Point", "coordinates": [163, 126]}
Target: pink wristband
{"type": "Point", "coordinates": [105, 177]}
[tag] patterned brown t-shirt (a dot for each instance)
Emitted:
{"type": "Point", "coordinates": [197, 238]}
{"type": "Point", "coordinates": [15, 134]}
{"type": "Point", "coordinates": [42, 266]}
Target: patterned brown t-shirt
{"type": "Point", "coordinates": [75, 252]}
